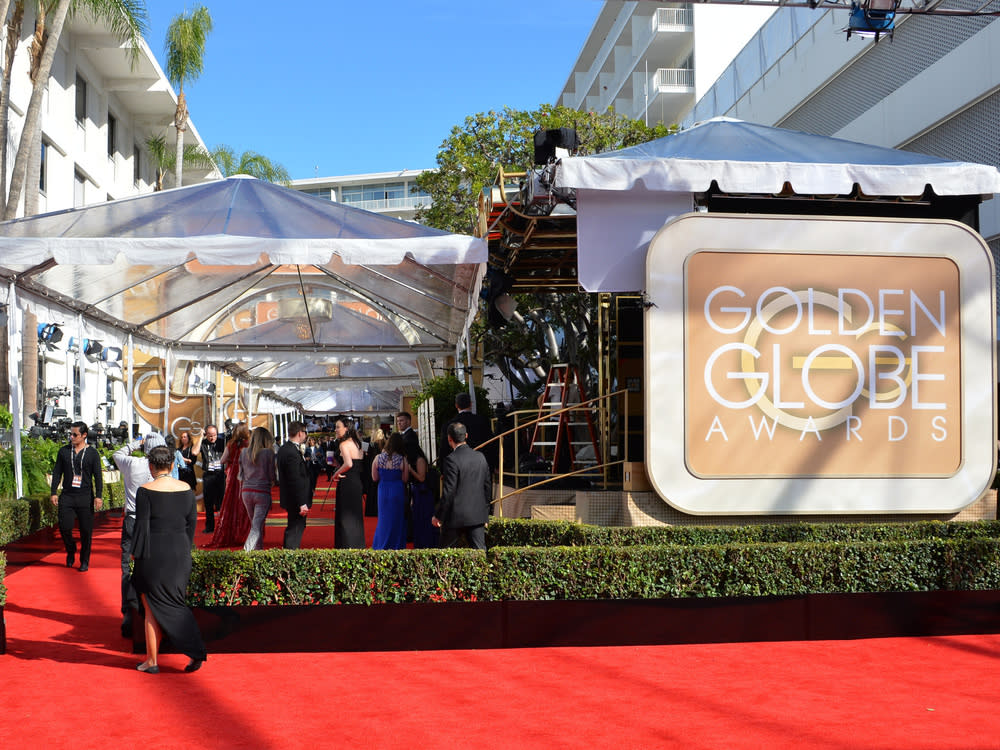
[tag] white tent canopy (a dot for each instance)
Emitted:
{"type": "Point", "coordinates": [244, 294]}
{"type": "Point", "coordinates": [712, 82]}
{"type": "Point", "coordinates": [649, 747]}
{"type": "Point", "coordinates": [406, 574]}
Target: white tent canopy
{"type": "Point", "coordinates": [624, 197]}
{"type": "Point", "coordinates": [308, 297]}
{"type": "Point", "coordinates": [743, 157]}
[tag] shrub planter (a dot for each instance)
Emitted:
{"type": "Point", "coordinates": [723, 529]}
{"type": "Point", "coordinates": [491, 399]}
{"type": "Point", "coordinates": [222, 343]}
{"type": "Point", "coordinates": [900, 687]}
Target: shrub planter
{"type": "Point", "coordinates": [631, 622]}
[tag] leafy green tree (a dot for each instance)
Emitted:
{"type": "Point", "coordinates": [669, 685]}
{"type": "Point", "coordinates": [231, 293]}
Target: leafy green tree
{"type": "Point", "coordinates": [549, 328]}
{"type": "Point", "coordinates": [164, 157]}
{"type": "Point", "coordinates": [443, 390]}
{"type": "Point", "coordinates": [185, 46]}
{"type": "Point", "coordinates": [125, 19]}
{"type": "Point", "coordinates": [251, 163]}
{"type": "Point", "coordinates": [471, 155]}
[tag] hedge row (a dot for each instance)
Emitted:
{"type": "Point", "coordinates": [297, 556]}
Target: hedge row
{"type": "Point", "coordinates": [593, 572]}
{"type": "Point", "coordinates": [528, 533]}
{"type": "Point", "coordinates": [325, 576]}
{"type": "Point", "coordinates": [29, 514]}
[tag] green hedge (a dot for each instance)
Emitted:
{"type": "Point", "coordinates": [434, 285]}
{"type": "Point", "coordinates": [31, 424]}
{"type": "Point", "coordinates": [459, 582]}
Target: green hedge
{"type": "Point", "coordinates": [29, 514]}
{"type": "Point", "coordinates": [528, 533]}
{"type": "Point", "coordinates": [593, 572]}
{"type": "Point", "coordinates": [674, 571]}
{"type": "Point", "coordinates": [325, 576]}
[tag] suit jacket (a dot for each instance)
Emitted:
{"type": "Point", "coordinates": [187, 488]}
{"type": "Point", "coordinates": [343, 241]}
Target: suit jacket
{"type": "Point", "coordinates": [468, 489]}
{"type": "Point", "coordinates": [411, 444]}
{"type": "Point", "coordinates": [293, 477]}
{"type": "Point", "coordinates": [479, 432]}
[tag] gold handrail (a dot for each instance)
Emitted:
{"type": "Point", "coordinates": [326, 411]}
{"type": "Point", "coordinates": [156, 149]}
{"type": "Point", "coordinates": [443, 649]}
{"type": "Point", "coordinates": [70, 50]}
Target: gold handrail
{"type": "Point", "coordinates": [604, 462]}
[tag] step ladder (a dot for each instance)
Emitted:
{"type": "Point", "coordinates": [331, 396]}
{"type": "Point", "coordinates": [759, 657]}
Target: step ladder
{"type": "Point", "coordinates": [570, 434]}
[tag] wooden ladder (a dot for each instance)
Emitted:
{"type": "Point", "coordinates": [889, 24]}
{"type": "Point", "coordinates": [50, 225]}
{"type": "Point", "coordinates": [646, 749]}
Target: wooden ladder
{"type": "Point", "coordinates": [570, 430]}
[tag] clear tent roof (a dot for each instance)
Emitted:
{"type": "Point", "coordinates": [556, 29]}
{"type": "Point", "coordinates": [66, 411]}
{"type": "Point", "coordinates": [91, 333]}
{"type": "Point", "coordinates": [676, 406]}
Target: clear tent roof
{"type": "Point", "coordinates": [308, 297]}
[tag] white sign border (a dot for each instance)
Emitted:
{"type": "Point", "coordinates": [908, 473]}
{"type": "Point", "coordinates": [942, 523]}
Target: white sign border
{"type": "Point", "coordinates": [664, 364]}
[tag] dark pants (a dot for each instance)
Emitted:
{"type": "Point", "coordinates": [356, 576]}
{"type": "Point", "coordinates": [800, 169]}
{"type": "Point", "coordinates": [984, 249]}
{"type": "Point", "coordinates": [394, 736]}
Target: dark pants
{"type": "Point", "coordinates": [213, 487]}
{"type": "Point", "coordinates": [129, 600]}
{"type": "Point", "coordinates": [294, 530]}
{"type": "Point", "coordinates": [80, 509]}
{"type": "Point", "coordinates": [474, 535]}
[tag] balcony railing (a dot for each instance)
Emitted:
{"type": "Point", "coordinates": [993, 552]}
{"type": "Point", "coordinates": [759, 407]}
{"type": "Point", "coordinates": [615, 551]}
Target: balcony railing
{"type": "Point", "coordinates": [391, 204]}
{"type": "Point", "coordinates": [673, 17]}
{"type": "Point", "coordinates": [673, 78]}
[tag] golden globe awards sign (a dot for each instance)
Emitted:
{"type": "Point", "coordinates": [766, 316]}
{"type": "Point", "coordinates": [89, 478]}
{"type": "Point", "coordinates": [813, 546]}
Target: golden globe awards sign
{"type": "Point", "coordinates": [819, 365]}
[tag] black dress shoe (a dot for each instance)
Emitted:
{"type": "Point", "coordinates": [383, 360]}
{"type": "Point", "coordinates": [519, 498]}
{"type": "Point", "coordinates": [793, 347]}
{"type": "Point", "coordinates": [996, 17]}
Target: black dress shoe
{"type": "Point", "coordinates": [148, 668]}
{"type": "Point", "coordinates": [194, 665]}
{"type": "Point", "coordinates": [70, 559]}
{"type": "Point", "coordinates": [84, 567]}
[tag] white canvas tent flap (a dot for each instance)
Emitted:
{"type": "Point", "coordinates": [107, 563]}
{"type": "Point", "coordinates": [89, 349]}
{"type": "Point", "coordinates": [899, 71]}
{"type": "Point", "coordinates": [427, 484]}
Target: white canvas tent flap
{"type": "Point", "coordinates": [625, 196]}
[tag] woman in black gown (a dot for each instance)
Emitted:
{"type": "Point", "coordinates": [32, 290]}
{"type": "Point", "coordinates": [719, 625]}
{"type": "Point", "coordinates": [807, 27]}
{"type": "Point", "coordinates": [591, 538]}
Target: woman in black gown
{"type": "Point", "coordinates": [349, 521]}
{"type": "Point", "coordinates": [165, 517]}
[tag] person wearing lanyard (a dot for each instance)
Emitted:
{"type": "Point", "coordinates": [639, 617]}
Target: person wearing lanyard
{"type": "Point", "coordinates": [78, 469]}
{"type": "Point", "coordinates": [213, 476]}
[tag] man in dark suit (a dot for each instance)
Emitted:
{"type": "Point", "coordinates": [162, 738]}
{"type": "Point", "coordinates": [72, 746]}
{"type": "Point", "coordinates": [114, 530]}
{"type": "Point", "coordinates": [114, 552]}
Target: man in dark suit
{"type": "Point", "coordinates": [213, 475]}
{"type": "Point", "coordinates": [293, 484]}
{"type": "Point", "coordinates": [477, 427]}
{"type": "Point", "coordinates": [411, 442]}
{"type": "Point", "coordinates": [464, 507]}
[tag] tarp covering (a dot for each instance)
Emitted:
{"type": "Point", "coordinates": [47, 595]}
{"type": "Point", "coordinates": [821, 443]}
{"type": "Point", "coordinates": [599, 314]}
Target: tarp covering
{"type": "Point", "coordinates": [624, 197]}
{"type": "Point", "coordinates": [744, 157]}
{"type": "Point", "coordinates": [271, 280]}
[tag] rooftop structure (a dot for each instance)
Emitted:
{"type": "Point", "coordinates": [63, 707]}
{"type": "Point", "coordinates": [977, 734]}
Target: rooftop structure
{"type": "Point", "coordinates": [394, 194]}
{"type": "Point", "coordinates": [652, 61]}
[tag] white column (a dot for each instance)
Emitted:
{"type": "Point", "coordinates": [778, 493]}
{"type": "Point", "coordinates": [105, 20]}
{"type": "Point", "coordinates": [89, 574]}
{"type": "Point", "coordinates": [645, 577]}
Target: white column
{"type": "Point", "coordinates": [15, 322]}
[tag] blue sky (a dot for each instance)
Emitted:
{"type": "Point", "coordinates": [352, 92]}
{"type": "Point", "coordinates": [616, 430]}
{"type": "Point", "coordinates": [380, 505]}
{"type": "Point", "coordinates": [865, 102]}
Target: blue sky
{"type": "Point", "coordinates": [330, 87]}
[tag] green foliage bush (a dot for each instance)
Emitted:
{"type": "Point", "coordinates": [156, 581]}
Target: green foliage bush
{"type": "Point", "coordinates": [960, 561]}
{"type": "Point", "coordinates": [29, 514]}
{"type": "Point", "coordinates": [324, 576]}
{"type": "Point", "coordinates": [521, 532]}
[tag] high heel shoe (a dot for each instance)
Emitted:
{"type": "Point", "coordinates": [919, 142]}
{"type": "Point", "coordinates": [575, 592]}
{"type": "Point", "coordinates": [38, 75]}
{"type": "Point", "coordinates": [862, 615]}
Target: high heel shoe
{"type": "Point", "coordinates": [148, 668]}
{"type": "Point", "coordinates": [194, 665]}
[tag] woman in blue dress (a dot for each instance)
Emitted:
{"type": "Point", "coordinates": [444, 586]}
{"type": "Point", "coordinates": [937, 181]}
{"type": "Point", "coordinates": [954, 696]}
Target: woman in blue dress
{"type": "Point", "coordinates": [392, 473]}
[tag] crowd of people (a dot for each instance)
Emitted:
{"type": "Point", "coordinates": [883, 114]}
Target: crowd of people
{"type": "Point", "coordinates": [387, 475]}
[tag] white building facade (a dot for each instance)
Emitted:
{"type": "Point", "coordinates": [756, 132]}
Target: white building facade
{"type": "Point", "coordinates": [99, 109]}
{"type": "Point", "coordinates": [391, 193]}
{"type": "Point", "coordinates": [652, 61]}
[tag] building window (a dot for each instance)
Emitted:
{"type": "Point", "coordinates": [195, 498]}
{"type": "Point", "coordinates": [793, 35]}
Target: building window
{"type": "Point", "coordinates": [41, 172]}
{"type": "Point", "coordinates": [324, 193]}
{"type": "Point", "coordinates": [79, 183]}
{"type": "Point", "coordinates": [112, 135]}
{"type": "Point", "coordinates": [81, 99]}
{"type": "Point", "coordinates": [136, 164]}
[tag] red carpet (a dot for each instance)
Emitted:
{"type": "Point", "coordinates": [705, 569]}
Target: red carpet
{"type": "Point", "coordinates": [69, 682]}
{"type": "Point", "coordinates": [319, 525]}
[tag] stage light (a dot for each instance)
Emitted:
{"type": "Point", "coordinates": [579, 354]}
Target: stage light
{"type": "Point", "coordinates": [92, 349]}
{"type": "Point", "coordinates": [49, 334]}
{"type": "Point", "coordinates": [872, 18]}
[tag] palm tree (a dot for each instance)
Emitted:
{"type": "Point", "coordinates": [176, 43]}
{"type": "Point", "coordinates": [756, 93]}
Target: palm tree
{"type": "Point", "coordinates": [13, 36]}
{"type": "Point", "coordinates": [164, 158]}
{"type": "Point", "coordinates": [251, 163]}
{"type": "Point", "coordinates": [185, 61]}
{"type": "Point", "coordinates": [126, 19]}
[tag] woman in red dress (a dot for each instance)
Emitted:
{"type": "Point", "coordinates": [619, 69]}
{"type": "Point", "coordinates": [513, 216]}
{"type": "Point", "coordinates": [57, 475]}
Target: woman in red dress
{"type": "Point", "coordinates": [234, 524]}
